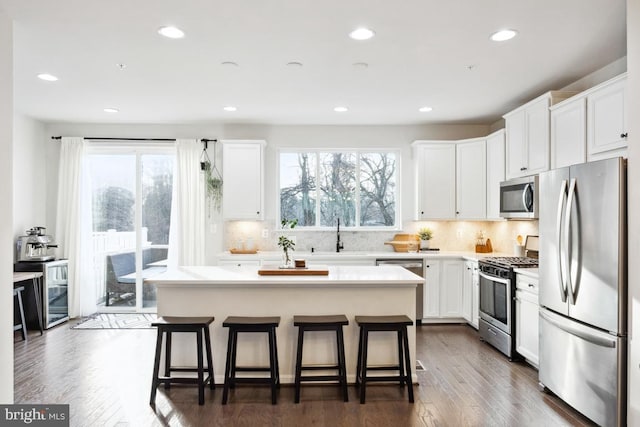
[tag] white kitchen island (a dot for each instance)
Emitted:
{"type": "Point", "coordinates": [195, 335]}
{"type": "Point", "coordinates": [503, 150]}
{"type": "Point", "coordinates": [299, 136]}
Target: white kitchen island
{"type": "Point", "coordinates": [348, 290]}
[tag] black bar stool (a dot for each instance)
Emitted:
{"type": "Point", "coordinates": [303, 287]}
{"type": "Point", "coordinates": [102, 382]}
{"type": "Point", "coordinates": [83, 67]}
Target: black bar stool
{"type": "Point", "coordinates": [321, 323]}
{"type": "Point", "coordinates": [377, 324]}
{"type": "Point", "coordinates": [22, 326]}
{"type": "Point", "coordinates": [169, 325]}
{"type": "Point", "coordinates": [236, 325]}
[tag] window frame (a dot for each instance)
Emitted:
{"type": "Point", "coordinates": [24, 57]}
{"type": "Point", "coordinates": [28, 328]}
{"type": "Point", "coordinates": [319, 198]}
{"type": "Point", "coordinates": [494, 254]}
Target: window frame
{"type": "Point", "coordinates": [357, 151]}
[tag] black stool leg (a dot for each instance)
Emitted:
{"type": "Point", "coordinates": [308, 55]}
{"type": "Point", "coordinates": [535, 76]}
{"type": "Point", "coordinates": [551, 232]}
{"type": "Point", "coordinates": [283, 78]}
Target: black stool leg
{"type": "Point", "coordinates": [400, 357]}
{"type": "Point", "coordinates": [200, 354]}
{"type": "Point", "coordinates": [359, 362]}
{"type": "Point", "coordinates": [342, 364]}
{"type": "Point", "coordinates": [167, 359]}
{"type": "Point", "coordinates": [273, 364]}
{"type": "Point", "coordinates": [365, 345]}
{"type": "Point", "coordinates": [407, 362]}
{"type": "Point", "coordinates": [275, 355]}
{"type": "Point", "coordinates": [227, 370]}
{"type": "Point", "coordinates": [156, 368]}
{"type": "Point", "coordinates": [207, 342]}
{"type": "Point", "coordinates": [299, 363]}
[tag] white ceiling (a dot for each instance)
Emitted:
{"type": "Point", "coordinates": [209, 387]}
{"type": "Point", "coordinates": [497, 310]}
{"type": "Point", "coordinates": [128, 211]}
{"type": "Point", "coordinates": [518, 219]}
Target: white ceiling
{"type": "Point", "coordinates": [420, 56]}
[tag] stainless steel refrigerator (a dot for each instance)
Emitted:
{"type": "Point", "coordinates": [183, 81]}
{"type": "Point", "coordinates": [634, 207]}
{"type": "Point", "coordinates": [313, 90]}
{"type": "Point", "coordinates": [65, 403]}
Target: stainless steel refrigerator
{"type": "Point", "coordinates": [583, 288]}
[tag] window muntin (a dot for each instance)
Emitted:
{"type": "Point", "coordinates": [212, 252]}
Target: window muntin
{"type": "Point", "coordinates": [358, 186]}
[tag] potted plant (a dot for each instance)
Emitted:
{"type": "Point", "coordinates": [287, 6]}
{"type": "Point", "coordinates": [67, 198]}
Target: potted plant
{"type": "Point", "coordinates": [213, 184]}
{"type": "Point", "coordinates": [286, 243]}
{"type": "Point", "coordinates": [425, 235]}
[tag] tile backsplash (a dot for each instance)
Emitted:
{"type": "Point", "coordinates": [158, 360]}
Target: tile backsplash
{"type": "Point", "coordinates": [447, 235]}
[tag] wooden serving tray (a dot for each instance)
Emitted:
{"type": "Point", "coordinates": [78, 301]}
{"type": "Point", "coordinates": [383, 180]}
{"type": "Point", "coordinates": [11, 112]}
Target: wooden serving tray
{"type": "Point", "coordinates": [243, 251]}
{"type": "Point", "coordinates": [274, 270]}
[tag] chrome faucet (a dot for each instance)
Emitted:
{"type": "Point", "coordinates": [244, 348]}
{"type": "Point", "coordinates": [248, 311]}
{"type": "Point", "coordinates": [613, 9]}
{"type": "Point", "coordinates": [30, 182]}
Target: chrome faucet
{"type": "Point", "coordinates": [339, 244]}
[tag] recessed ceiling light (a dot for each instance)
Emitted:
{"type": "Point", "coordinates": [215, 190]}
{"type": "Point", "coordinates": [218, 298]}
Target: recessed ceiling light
{"type": "Point", "coordinates": [425, 109]}
{"type": "Point", "coordinates": [361, 34]}
{"type": "Point", "coordinates": [47, 77]}
{"type": "Point", "coordinates": [171, 32]}
{"type": "Point", "coordinates": [229, 108]}
{"type": "Point", "coordinates": [111, 110]}
{"type": "Point", "coordinates": [294, 64]}
{"type": "Point", "coordinates": [340, 109]}
{"type": "Point", "coordinates": [229, 64]}
{"type": "Point", "coordinates": [503, 35]}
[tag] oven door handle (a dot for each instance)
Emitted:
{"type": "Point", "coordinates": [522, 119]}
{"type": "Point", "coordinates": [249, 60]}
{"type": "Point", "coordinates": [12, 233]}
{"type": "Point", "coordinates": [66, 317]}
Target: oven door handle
{"type": "Point", "coordinates": [495, 279]}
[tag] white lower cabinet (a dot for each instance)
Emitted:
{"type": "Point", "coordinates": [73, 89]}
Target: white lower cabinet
{"type": "Point", "coordinates": [443, 296]}
{"type": "Point", "coordinates": [527, 336]}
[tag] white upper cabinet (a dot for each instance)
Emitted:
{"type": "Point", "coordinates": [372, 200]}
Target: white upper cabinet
{"type": "Point", "coordinates": [527, 136]}
{"type": "Point", "coordinates": [471, 184]}
{"type": "Point", "coordinates": [569, 133]}
{"type": "Point", "coordinates": [495, 172]}
{"type": "Point", "coordinates": [243, 178]}
{"type": "Point", "coordinates": [435, 165]}
{"type": "Point", "coordinates": [606, 119]}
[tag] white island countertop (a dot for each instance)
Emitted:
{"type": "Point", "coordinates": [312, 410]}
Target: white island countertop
{"type": "Point", "coordinates": [338, 275]}
{"type": "Point", "coordinates": [231, 291]}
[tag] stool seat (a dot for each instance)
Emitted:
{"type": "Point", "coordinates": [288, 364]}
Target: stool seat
{"type": "Point", "coordinates": [240, 324]}
{"type": "Point", "coordinates": [168, 325]}
{"type": "Point", "coordinates": [251, 321]}
{"type": "Point", "coordinates": [321, 323]}
{"type": "Point", "coordinates": [332, 320]}
{"type": "Point", "coordinates": [183, 321]}
{"type": "Point", "coordinates": [384, 320]}
{"type": "Point", "coordinates": [398, 324]}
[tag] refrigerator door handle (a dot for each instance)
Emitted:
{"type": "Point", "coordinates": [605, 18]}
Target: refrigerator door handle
{"type": "Point", "coordinates": [567, 241]}
{"type": "Point", "coordinates": [597, 340]}
{"type": "Point", "coordinates": [561, 266]}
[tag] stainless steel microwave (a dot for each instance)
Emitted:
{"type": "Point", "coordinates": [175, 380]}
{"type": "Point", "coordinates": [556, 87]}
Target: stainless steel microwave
{"type": "Point", "coordinates": [519, 198]}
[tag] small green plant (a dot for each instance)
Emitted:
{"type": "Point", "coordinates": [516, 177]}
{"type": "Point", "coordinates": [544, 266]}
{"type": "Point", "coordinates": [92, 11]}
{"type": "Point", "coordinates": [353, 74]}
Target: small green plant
{"type": "Point", "coordinates": [425, 233]}
{"type": "Point", "coordinates": [285, 242]}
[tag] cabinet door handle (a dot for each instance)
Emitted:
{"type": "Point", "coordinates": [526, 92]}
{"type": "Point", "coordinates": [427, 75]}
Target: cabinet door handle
{"type": "Point", "coordinates": [523, 168]}
{"type": "Point", "coordinates": [530, 285]}
{"type": "Point", "coordinates": [257, 212]}
{"type": "Point", "coordinates": [624, 135]}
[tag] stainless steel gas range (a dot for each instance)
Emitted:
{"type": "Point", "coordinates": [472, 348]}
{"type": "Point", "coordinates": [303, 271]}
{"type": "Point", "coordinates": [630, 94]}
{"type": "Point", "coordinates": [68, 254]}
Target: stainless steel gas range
{"type": "Point", "coordinates": [497, 303]}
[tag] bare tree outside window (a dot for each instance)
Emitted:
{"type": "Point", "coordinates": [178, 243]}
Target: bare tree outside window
{"type": "Point", "coordinates": [298, 187]}
{"type": "Point", "coordinates": [377, 189]}
{"type": "Point", "coordinates": [360, 188]}
{"type": "Point", "coordinates": [337, 188]}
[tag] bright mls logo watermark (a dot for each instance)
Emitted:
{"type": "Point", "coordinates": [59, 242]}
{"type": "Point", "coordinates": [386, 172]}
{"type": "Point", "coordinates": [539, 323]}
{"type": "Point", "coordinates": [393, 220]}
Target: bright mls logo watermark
{"type": "Point", "coordinates": [34, 415]}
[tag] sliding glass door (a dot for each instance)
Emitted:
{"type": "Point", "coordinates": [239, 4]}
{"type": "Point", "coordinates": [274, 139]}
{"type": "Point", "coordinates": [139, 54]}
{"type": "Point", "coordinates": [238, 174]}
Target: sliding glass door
{"type": "Point", "coordinates": [131, 191]}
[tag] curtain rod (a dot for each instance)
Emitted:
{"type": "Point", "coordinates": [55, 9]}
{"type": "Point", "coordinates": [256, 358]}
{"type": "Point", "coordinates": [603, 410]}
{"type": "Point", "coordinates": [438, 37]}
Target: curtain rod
{"type": "Point", "coordinates": [123, 139]}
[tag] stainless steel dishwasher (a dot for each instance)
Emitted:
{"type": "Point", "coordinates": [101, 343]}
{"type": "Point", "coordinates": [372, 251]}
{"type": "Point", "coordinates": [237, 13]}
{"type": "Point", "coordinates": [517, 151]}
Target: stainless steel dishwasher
{"type": "Point", "coordinates": [414, 265]}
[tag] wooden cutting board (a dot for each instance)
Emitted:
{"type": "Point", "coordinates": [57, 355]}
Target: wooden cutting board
{"type": "Point", "coordinates": [274, 270]}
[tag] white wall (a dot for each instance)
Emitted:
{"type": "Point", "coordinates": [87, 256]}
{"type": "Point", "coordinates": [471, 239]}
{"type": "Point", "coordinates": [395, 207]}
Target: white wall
{"type": "Point", "coordinates": [29, 175]}
{"type": "Point", "coordinates": [633, 198]}
{"type": "Point", "coordinates": [6, 232]}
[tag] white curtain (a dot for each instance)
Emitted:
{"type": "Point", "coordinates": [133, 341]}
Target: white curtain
{"type": "Point", "coordinates": [188, 216]}
{"type": "Point", "coordinates": [73, 226]}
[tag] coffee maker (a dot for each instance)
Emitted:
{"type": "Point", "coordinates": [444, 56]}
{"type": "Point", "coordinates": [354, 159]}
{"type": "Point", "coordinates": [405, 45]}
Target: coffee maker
{"type": "Point", "coordinates": [36, 246]}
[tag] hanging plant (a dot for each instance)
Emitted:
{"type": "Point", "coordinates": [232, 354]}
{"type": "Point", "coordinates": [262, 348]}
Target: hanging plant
{"type": "Point", "coordinates": [213, 178]}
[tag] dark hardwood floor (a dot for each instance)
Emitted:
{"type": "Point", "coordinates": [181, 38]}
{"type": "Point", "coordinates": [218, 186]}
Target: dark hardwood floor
{"type": "Point", "coordinates": [105, 376]}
